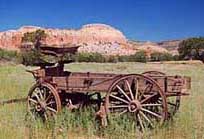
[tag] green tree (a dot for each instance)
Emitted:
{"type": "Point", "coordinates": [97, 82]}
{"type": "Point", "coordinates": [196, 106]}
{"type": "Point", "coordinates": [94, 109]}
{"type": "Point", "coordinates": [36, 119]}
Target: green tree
{"type": "Point", "coordinates": [33, 56]}
{"type": "Point", "coordinates": [89, 57]}
{"type": "Point", "coordinates": [35, 37]}
{"type": "Point", "coordinates": [192, 48]}
{"type": "Point", "coordinates": [139, 57]}
{"type": "Point", "coordinates": [157, 56]}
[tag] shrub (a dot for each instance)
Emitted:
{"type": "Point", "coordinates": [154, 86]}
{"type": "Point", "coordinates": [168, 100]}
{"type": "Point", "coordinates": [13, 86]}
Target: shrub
{"type": "Point", "coordinates": [138, 57]}
{"type": "Point", "coordinates": [123, 58]}
{"type": "Point", "coordinates": [35, 37]}
{"type": "Point", "coordinates": [112, 59]}
{"type": "Point", "coordinates": [161, 56]}
{"type": "Point", "coordinates": [89, 57]}
{"type": "Point", "coordinates": [30, 58]}
{"type": "Point", "coordinates": [176, 57]}
{"type": "Point", "coordinates": [9, 55]}
{"type": "Point", "coordinates": [192, 48]}
{"type": "Point", "coordinates": [33, 56]}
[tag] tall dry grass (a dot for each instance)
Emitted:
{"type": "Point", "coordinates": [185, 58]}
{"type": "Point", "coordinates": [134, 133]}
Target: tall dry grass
{"type": "Point", "coordinates": [188, 123]}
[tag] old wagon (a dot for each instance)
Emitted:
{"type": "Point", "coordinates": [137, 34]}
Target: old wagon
{"type": "Point", "coordinates": [151, 97]}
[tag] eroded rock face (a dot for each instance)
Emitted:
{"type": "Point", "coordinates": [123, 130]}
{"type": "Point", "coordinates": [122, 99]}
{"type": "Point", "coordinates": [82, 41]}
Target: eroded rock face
{"type": "Point", "coordinates": [88, 36]}
{"type": "Point", "coordinates": [11, 39]}
{"type": "Point", "coordinates": [99, 38]}
{"type": "Point", "coordinates": [147, 47]}
{"type": "Point", "coordinates": [171, 45]}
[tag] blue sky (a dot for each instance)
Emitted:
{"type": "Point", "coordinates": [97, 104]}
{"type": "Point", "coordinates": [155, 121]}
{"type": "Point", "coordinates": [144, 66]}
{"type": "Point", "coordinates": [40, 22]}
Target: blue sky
{"type": "Point", "coordinates": [152, 20]}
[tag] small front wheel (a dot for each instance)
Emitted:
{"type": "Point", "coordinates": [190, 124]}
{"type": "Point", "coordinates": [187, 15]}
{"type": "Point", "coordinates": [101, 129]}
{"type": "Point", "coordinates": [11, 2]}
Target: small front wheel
{"type": "Point", "coordinates": [43, 101]}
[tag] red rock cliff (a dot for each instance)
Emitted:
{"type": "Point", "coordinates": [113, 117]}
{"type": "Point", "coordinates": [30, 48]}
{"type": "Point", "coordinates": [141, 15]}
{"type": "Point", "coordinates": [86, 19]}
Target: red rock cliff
{"type": "Point", "coordinates": [99, 38]}
{"type": "Point", "coordinates": [88, 34]}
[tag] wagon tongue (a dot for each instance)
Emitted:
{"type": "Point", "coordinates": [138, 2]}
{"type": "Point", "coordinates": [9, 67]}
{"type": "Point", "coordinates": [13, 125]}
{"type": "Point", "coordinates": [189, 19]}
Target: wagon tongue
{"type": "Point", "coordinates": [15, 100]}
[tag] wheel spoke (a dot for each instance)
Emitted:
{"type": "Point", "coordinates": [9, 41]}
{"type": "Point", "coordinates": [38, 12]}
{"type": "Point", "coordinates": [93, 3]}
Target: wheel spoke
{"type": "Point", "coordinates": [146, 89]}
{"type": "Point", "coordinates": [123, 112]}
{"type": "Point", "coordinates": [37, 91]}
{"type": "Point", "coordinates": [140, 121]}
{"type": "Point", "coordinates": [119, 99]}
{"type": "Point", "coordinates": [51, 109]}
{"type": "Point", "coordinates": [131, 94]}
{"type": "Point", "coordinates": [52, 102]}
{"type": "Point", "coordinates": [146, 105]}
{"type": "Point", "coordinates": [32, 100]}
{"type": "Point", "coordinates": [45, 115]}
{"type": "Point", "coordinates": [137, 89]}
{"type": "Point", "coordinates": [118, 106]}
{"type": "Point", "coordinates": [147, 98]}
{"type": "Point", "coordinates": [121, 90]}
{"type": "Point", "coordinates": [36, 96]}
{"type": "Point", "coordinates": [146, 118]}
{"type": "Point", "coordinates": [44, 93]}
{"type": "Point", "coordinates": [50, 95]}
{"type": "Point", "coordinates": [152, 113]}
{"type": "Point", "coordinates": [70, 102]}
{"type": "Point", "coordinates": [41, 96]}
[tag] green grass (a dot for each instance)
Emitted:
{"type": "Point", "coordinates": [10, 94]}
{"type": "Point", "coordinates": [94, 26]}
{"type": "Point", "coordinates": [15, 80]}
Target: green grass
{"type": "Point", "coordinates": [188, 123]}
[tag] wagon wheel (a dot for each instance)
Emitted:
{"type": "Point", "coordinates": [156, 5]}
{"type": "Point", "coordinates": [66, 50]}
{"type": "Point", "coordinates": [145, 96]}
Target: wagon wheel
{"type": "Point", "coordinates": [137, 95]}
{"type": "Point", "coordinates": [173, 103]}
{"type": "Point", "coordinates": [43, 101]}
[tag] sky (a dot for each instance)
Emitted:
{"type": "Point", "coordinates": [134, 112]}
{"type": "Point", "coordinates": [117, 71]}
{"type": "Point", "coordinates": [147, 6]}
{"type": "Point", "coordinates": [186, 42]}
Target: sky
{"type": "Point", "coordinates": [143, 20]}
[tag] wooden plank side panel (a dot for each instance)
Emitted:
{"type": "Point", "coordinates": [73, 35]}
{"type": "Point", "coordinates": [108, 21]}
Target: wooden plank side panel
{"type": "Point", "coordinates": [173, 83]}
{"type": "Point", "coordinates": [160, 81]}
{"type": "Point", "coordinates": [83, 83]}
{"type": "Point", "coordinates": [101, 83]}
{"type": "Point", "coordinates": [61, 82]}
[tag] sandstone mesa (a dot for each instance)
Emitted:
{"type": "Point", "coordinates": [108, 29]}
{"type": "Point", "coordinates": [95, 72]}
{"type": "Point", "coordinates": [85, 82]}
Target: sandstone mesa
{"type": "Point", "coordinates": [99, 38]}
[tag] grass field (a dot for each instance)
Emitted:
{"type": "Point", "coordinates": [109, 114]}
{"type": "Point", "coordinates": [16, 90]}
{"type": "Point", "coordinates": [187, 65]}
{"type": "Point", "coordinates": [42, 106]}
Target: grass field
{"type": "Point", "coordinates": [188, 123]}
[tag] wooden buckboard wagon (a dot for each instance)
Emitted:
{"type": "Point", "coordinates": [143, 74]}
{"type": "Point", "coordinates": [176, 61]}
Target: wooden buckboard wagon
{"type": "Point", "coordinates": [151, 97]}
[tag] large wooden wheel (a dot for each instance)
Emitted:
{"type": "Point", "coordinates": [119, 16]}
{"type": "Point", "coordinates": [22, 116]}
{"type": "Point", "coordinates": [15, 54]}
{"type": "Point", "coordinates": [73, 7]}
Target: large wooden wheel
{"type": "Point", "coordinates": [137, 95]}
{"type": "Point", "coordinates": [173, 102]}
{"type": "Point", "coordinates": [43, 101]}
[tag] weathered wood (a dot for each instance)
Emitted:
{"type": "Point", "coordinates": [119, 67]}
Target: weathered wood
{"type": "Point", "coordinates": [146, 94]}
{"type": "Point", "coordinates": [17, 100]}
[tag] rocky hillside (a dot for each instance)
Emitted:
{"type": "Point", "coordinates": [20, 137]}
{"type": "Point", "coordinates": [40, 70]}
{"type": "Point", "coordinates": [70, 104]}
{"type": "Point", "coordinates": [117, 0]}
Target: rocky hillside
{"type": "Point", "coordinates": [171, 45]}
{"type": "Point", "coordinates": [148, 47]}
{"type": "Point", "coordinates": [92, 38]}
{"type": "Point", "coordinates": [99, 38]}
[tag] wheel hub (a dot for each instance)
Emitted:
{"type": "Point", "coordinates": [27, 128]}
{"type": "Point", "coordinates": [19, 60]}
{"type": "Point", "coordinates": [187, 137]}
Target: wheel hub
{"type": "Point", "coordinates": [41, 106]}
{"type": "Point", "coordinates": [134, 106]}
